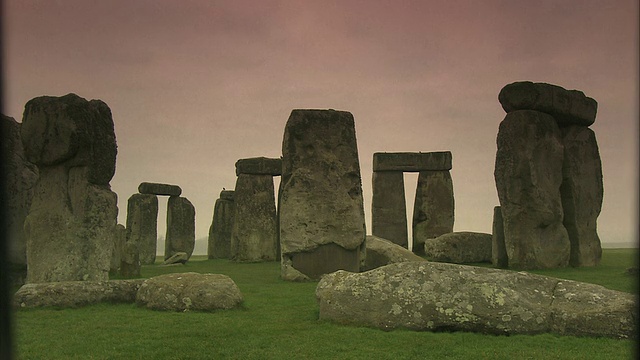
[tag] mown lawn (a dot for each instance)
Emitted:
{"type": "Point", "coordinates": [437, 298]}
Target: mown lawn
{"type": "Point", "coordinates": [279, 320]}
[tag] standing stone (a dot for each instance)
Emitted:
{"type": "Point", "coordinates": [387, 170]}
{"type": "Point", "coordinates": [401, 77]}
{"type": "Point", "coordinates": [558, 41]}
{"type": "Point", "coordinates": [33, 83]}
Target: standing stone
{"type": "Point", "coordinates": [528, 174]}
{"type": "Point", "coordinates": [582, 192]}
{"type": "Point", "coordinates": [388, 207]}
{"type": "Point", "coordinates": [20, 177]}
{"type": "Point", "coordinates": [322, 227]}
{"type": "Point", "coordinates": [221, 226]}
{"type": "Point", "coordinates": [253, 235]}
{"type": "Point", "coordinates": [498, 250]}
{"type": "Point", "coordinates": [71, 223]}
{"type": "Point", "coordinates": [181, 227]}
{"type": "Point", "coordinates": [433, 210]}
{"type": "Point", "coordinates": [142, 225]}
{"type": "Point", "coordinates": [119, 240]}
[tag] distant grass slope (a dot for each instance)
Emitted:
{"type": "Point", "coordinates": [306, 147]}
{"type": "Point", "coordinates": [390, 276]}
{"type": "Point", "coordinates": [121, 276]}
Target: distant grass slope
{"type": "Point", "coordinates": [279, 321]}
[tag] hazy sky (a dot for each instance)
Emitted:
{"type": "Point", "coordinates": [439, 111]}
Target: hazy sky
{"type": "Point", "coordinates": [196, 85]}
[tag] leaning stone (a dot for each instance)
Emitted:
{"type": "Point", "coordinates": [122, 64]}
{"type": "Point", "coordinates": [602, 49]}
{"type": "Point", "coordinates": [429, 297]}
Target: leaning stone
{"type": "Point", "coordinates": [498, 250]}
{"type": "Point", "coordinates": [388, 207]}
{"type": "Point", "coordinates": [159, 189]}
{"type": "Point", "coordinates": [459, 248]}
{"type": "Point", "coordinates": [582, 193]}
{"type": "Point", "coordinates": [179, 257]}
{"type": "Point", "coordinates": [411, 161]}
{"type": "Point", "coordinates": [568, 107]}
{"type": "Point", "coordinates": [219, 244]}
{"type": "Point", "coordinates": [259, 166]}
{"type": "Point", "coordinates": [528, 174]}
{"type": "Point", "coordinates": [322, 226]}
{"type": "Point", "coordinates": [73, 294]}
{"type": "Point", "coordinates": [433, 210]}
{"type": "Point", "coordinates": [181, 227]}
{"type": "Point", "coordinates": [381, 252]}
{"type": "Point", "coordinates": [428, 296]}
{"type": "Point", "coordinates": [142, 225]}
{"type": "Point", "coordinates": [189, 291]}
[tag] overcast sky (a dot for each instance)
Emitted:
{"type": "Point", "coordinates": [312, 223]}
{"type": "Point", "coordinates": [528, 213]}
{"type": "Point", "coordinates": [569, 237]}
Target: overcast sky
{"type": "Point", "coordinates": [196, 85]}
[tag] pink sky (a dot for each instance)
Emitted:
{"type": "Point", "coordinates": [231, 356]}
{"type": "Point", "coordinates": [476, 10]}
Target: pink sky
{"type": "Point", "coordinates": [196, 85]}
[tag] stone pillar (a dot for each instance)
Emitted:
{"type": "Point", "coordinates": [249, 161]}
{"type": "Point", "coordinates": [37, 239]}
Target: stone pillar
{"type": "Point", "coordinates": [73, 215]}
{"type": "Point", "coordinates": [181, 227]}
{"type": "Point", "coordinates": [388, 207]}
{"type": "Point", "coordinates": [221, 226]}
{"type": "Point", "coordinates": [498, 251]}
{"type": "Point", "coordinates": [142, 225]}
{"type": "Point", "coordinates": [433, 210]}
{"type": "Point", "coordinates": [582, 193]}
{"type": "Point", "coordinates": [528, 174]}
{"type": "Point", "coordinates": [20, 177]}
{"type": "Point", "coordinates": [119, 240]}
{"type": "Point", "coordinates": [322, 226]}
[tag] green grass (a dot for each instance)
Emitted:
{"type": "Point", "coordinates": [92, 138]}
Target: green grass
{"type": "Point", "coordinates": [279, 321]}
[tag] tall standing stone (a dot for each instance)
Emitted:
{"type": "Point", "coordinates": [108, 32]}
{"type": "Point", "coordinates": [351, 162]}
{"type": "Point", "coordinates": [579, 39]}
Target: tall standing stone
{"type": "Point", "coordinates": [582, 193]}
{"type": "Point", "coordinates": [433, 210]}
{"type": "Point", "coordinates": [142, 225]}
{"type": "Point", "coordinates": [71, 223]}
{"type": "Point", "coordinates": [528, 174]}
{"type": "Point", "coordinates": [322, 226]}
{"type": "Point", "coordinates": [181, 227]}
{"type": "Point", "coordinates": [388, 207]}
{"type": "Point", "coordinates": [253, 235]}
{"type": "Point", "coordinates": [221, 226]}
{"type": "Point", "coordinates": [20, 177]}
{"type": "Point", "coordinates": [498, 251]}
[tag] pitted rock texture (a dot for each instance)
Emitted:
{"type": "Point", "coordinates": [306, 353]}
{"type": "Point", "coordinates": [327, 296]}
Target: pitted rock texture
{"type": "Point", "coordinates": [320, 202]}
{"type": "Point", "coordinates": [498, 250]}
{"type": "Point", "coordinates": [181, 227]}
{"type": "Point", "coordinates": [73, 294]}
{"type": "Point", "coordinates": [388, 207]}
{"type": "Point", "coordinates": [159, 189]}
{"type": "Point", "coordinates": [528, 175]}
{"type": "Point", "coordinates": [412, 161]}
{"type": "Point", "coordinates": [142, 225]}
{"type": "Point", "coordinates": [119, 240]}
{"type": "Point", "coordinates": [459, 248]}
{"type": "Point", "coordinates": [568, 107]}
{"type": "Point", "coordinates": [189, 291]}
{"type": "Point", "coordinates": [219, 246]}
{"type": "Point", "coordinates": [433, 209]}
{"type": "Point", "coordinates": [259, 166]}
{"type": "Point", "coordinates": [381, 252]}
{"type": "Point", "coordinates": [449, 297]}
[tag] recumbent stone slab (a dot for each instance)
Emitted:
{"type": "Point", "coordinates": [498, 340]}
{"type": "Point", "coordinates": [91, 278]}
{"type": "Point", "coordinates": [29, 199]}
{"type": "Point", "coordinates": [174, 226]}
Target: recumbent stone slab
{"type": "Point", "coordinates": [259, 166]}
{"type": "Point", "coordinates": [159, 189]}
{"type": "Point", "coordinates": [412, 161]}
{"type": "Point", "coordinates": [381, 252]}
{"type": "Point", "coordinates": [459, 247]}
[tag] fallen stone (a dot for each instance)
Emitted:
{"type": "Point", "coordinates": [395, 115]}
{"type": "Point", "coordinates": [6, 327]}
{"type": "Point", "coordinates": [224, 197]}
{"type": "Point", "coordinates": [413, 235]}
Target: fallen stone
{"type": "Point", "coordinates": [73, 294]}
{"type": "Point", "coordinates": [433, 210]}
{"type": "Point", "coordinates": [568, 107]}
{"type": "Point", "coordinates": [219, 242]}
{"type": "Point", "coordinates": [381, 252]}
{"type": "Point", "coordinates": [411, 161]}
{"type": "Point", "coordinates": [459, 248]}
{"type": "Point", "coordinates": [159, 189]}
{"type": "Point", "coordinates": [448, 297]}
{"type": "Point", "coordinates": [388, 207]}
{"type": "Point", "coordinates": [259, 166]}
{"type": "Point", "coordinates": [189, 291]}
{"type": "Point", "coordinates": [179, 257]}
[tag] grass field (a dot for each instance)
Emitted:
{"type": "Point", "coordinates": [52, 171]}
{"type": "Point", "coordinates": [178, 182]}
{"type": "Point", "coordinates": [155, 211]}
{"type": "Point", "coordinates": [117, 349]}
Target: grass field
{"type": "Point", "coordinates": [279, 320]}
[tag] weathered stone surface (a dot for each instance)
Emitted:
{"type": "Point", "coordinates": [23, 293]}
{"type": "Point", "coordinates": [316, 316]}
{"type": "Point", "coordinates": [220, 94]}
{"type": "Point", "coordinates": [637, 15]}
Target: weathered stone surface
{"type": "Point", "coordinates": [582, 193]}
{"type": "Point", "coordinates": [498, 248]}
{"type": "Point", "coordinates": [459, 248]}
{"type": "Point", "coordinates": [142, 225]}
{"type": "Point", "coordinates": [179, 257]}
{"type": "Point", "coordinates": [72, 219]}
{"type": "Point", "coordinates": [189, 291]}
{"type": "Point", "coordinates": [259, 166]}
{"type": "Point", "coordinates": [130, 259]}
{"type": "Point", "coordinates": [159, 189]}
{"type": "Point", "coordinates": [388, 207]}
{"type": "Point", "coordinates": [439, 296]}
{"type": "Point", "coordinates": [221, 226]}
{"type": "Point", "coordinates": [119, 241]}
{"type": "Point", "coordinates": [72, 131]}
{"type": "Point", "coordinates": [73, 294]}
{"type": "Point", "coordinates": [381, 252]}
{"type": "Point", "coordinates": [433, 210]}
{"type": "Point", "coordinates": [321, 200]}
{"type": "Point", "coordinates": [20, 177]}
{"type": "Point", "coordinates": [412, 161]}
{"type": "Point", "coordinates": [181, 227]}
{"type": "Point", "coordinates": [528, 174]}
{"type": "Point", "coordinates": [568, 107]}
{"type": "Point", "coordinates": [254, 234]}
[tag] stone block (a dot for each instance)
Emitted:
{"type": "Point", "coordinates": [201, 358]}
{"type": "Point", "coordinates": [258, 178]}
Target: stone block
{"type": "Point", "coordinates": [411, 161]}
{"type": "Point", "coordinates": [181, 227]}
{"type": "Point", "coordinates": [388, 207]}
{"type": "Point", "coordinates": [433, 210]}
{"type": "Point", "coordinates": [259, 166]}
{"type": "Point", "coordinates": [142, 225]}
{"type": "Point", "coordinates": [219, 245]}
{"type": "Point", "coordinates": [159, 189]}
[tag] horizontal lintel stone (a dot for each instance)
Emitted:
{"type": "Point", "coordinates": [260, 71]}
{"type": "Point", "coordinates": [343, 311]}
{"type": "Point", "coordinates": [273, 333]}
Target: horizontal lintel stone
{"type": "Point", "coordinates": [159, 189]}
{"type": "Point", "coordinates": [259, 166]}
{"type": "Point", "coordinates": [412, 161]}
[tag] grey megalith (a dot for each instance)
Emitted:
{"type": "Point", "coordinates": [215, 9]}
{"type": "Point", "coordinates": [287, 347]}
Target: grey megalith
{"type": "Point", "coordinates": [142, 225]}
{"type": "Point", "coordinates": [388, 207]}
{"type": "Point", "coordinates": [219, 245]}
{"type": "Point", "coordinates": [181, 227]}
{"type": "Point", "coordinates": [434, 206]}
